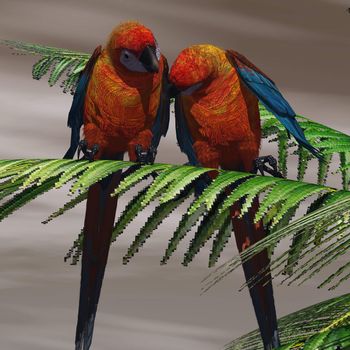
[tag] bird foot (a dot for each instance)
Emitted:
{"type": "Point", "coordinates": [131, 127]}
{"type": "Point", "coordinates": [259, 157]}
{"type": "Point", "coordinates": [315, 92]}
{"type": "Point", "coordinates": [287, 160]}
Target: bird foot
{"type": "Point", "coordinates": [260, 164]}
{"type": "Point", "coordinates": [89, 153]}
{"type": "Point", "coordinates": [145, 156]}
{"type": "Point", "coordinates": [142, 157]}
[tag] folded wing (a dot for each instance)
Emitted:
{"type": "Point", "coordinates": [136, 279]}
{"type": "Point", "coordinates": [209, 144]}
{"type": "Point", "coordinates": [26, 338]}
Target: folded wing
{"type": "Point", "coordinates": [269, 95]}
{"type": "Point", "coordinates": [75, 116]}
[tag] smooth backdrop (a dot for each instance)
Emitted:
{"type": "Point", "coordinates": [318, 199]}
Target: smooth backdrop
{"type": "Point", "coordinates": [303, 45]}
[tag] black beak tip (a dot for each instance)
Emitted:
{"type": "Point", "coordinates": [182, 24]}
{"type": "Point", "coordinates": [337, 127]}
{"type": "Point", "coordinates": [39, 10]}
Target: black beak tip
{"type": "Point", "coordinates": [149, 60]}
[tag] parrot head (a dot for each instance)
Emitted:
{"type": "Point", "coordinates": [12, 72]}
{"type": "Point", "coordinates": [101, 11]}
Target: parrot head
{"type": "Point", "coordinates": [195, 66]}
{"type": "Point", "coordinates": [133, 46]}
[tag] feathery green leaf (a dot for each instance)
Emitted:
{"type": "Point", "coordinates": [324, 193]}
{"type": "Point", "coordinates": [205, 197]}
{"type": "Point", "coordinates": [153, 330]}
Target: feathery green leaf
{"type": "Point", "coordinates": [303, 326]}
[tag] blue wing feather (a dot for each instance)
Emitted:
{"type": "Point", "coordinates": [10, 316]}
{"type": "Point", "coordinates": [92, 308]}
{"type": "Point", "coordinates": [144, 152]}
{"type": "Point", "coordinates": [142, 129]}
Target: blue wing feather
{"type": "Point", "coordinates": [183, 136]}
{"type": "Point", "coordinates": [161, 124]}
{"type": "Point", "coordinates": [269, 95]}
{"type": "Point", "coordinates": [75, 116]}
{"type": "Point", "coordinates": [185, 143]}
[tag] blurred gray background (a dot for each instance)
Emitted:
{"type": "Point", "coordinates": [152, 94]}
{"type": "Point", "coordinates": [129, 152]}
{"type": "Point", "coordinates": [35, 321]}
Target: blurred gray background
{"type": "Point", "coordinates": [303, 45]}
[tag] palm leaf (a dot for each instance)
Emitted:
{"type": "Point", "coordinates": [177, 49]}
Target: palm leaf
{"type": "Point", "coordinates": [153, 221]}
{"type": "Point", "coordinates": [209, 224]}
{"type": "Point", "coordinates": [305, 327]}
{"type": "Point", "coordinates": [328, 140]}
{"type": "Point", "coordinates": [331, 220]}
{"type": "Point", "coordinates": [75, 251]}
{"type": "Point", "coordinates": [59, 61]}
{"type": "Point", "coordinates": [67, 206]}
{"type": "Point", "coordinates": [25, 180]}
{"type": "Point", "coordinates": [130, 212]}
{"type": "Point", "coordinates": [186, 223]}
{"type": "Point", "coordinates": [221, 239]}
{"type": "Point", "coordinates": [20, 199]}
{"type": "Point", "coordinates": [220, 183]}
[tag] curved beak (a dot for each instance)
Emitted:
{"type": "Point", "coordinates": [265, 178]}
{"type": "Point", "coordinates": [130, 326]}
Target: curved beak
{"type": "Point", "coordinates": [149, 60]}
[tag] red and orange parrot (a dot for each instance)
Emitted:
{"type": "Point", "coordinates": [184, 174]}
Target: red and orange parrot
{"type": "Point", "coordinates": [122, 103]}
{"type": "Point", "coordinates": [218, 125]}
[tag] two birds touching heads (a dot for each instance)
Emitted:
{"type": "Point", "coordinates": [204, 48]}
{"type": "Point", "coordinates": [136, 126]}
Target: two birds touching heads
{"type": "Point", "coordinates": [122, 101]}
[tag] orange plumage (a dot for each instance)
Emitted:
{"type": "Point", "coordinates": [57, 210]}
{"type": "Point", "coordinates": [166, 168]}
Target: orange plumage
{"type": "Point", "coordinates": [223, 122]}
{"type": "Point", "coordinates": [121, 105]}
{"type": "Point", "coordinates": [119, 100]}
{"type": "Point", "coordinates": [222, 114]}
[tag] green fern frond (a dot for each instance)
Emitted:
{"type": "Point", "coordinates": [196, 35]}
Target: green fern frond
{"type": "Point", "coordinates": [327, 219]}
{"type": "Point", "coordinates": [41, 67]}
{"type": "Point", "coordinates": [158, 215]}
{"type": "Point", "coordinates": [297, 196]}
{"type": "Point", "coordinates": [300, 329]}
{"type": "Point", "coordinates": [300, 239]}
{"type": "Point", "coordinates": [277, 194]}
{"type": "Point", "coordinates": [67, 206]}
{"type": "Point", "coordinates": [129, 213]}
{"type": "Point", "coordinates": [303, 159]}
{"type": "Point", "coordinates": [131, 210]}
{"type": "Point", "coordinates": [74, 170]}
{"type": "Point", "coordinates": [75, 251]}
{"type": "Point", "coordinates": [329, 340]}
{"type": "Point", "coordinates": [220, 240]}
{"type": "Point", "coordinates": [139, 175]}
{"type": "Point", "coordinates": [15, 167]}
{"type": "Point", "coordinates": [209, 195]}
{"type": "Point", "coordinates": [185, 225]}
{"type": "Point", "coordinates": [323, 169]}
{"type": "Point", "coordinates": [181, 182]}
{"type": "Point", "coordinates": [24, 180]}
{"type": "Point", "coordinates": [96, 171]}
{"type": "Point", "coordinates": [24, 197]}
{"type": "Point", "coordinates": [168, 176]}
{"type": "Point", "coordinates": [345, 159]}
{"type": "Point", "coordinates": [251, 188]}
{"type": "Point", "coordinates": [18, 168]}
{"type": "Point", "coordinates": [59, 69]}
{"type": "Point", "coordinates": [9, 187]}
{"type": "Point", "coordinates": [328, 140]}
{"type": "Point", "coordinates": [282, 140]}
{"type": "Point", "coordinates": [60, 61]}
{"type": "Point", "coordinates": [209, 224]}
{"type": "Point", "coordinates": [46, 170]}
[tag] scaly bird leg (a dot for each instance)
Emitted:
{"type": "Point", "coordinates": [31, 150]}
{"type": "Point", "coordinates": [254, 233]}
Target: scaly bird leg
{"type": "Point", "coordinates": [145, 156]}
{"type": "Point", "coordinates": [260, 164]}
{"type": "Point", "coordinates": [142, 157]}
{"type": "Point", "coordinates": [89, 153]}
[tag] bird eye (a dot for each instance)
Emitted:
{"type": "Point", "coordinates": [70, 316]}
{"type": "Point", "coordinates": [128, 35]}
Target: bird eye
{"type": "Point", "coordinates": [126, 56]}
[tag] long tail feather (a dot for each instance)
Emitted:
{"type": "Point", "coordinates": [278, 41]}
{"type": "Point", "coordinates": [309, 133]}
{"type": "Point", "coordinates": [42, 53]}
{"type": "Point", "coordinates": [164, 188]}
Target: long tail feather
{"type": "Point", "coordinates": [247, 233]}
{"type": "Point", "coordinates": [99, 220]}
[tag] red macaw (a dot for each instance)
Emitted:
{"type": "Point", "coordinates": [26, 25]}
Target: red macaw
{"type": "Point", "coordinates": [218, 125]}
{"type": "Point", "coordinates": [122, 102]}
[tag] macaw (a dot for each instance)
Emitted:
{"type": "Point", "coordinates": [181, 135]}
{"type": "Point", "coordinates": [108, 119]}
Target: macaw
{"type": "Point", "coordinates": [218, 125]}
{"type": "Point", "coordinates": [122, 102]}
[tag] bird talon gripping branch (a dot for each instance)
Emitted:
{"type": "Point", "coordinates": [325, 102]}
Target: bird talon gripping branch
{"type": "Point", "coordinates": [130, 66]}
{"type": "Point", "coordinates": [88, 153]}
{"type": "Point", "coordinates": [216, 110]}
{"type": "Point", "coordinates": [259, 164]}
{"type": "Point", "coordinates": [145, 156]}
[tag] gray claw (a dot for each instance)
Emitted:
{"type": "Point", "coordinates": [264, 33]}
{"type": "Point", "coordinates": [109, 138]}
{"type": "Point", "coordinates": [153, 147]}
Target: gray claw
{"type": "Point", "coordinates": [89, 154]}
{"type": "Point", "coordinates": [145, 157]}
{"type": "Point", "coordinates": [260, 164]}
